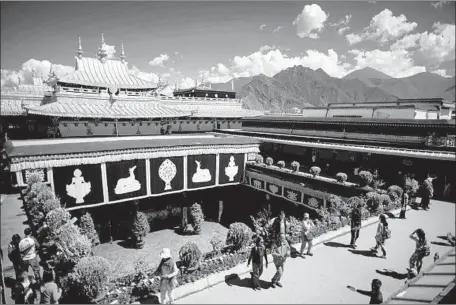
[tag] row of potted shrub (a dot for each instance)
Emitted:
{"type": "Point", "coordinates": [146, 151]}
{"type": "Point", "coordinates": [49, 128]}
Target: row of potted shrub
{"type": "Point", "coordinates": [194, 265]}
{"type": "Point", "coordinates": [66, 247]}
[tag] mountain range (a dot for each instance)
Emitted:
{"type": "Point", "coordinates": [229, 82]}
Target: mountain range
{"type": "Point", "coordinates": [299, 87]}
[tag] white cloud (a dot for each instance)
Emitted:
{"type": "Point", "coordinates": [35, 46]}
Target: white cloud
{"type": "Point", "coordinates": [272, 61]}
{"type": "Point", "coordinates": [439, 4]}
{"type": "Point", "coordinates": [441, 72]}
{"type": "Point", "coordinates": [159, 61]}
{"type": "Point", "coordinates": [434, 47]}
{"type": "Point", "coordinates": [150, 77]}
{"type": "Point", "coordinates": [277, 29]}
{"type": "Point", "coordinates": [262, 27]}
{"type": "Point", "coordinates": [396, 63]}
{"type": "Point", "coordinates": [310, 21]}
{"type": "Point", "coordinates": [343, 22]}
{"type": "Point", "coordinates": [111, 50]}
{"type": "Point", "coordinates": [265, 48]}
{"type": "Point", "coordinates": [383, 28]}
{"type": "Point", "coordinates": [41, 67]}
{"type": "Point", "coordinates": [186, 83]}
{"type": "Point", "coordinates": [342, 30]}
{"type": "Point", "coordinates": [372, 1]}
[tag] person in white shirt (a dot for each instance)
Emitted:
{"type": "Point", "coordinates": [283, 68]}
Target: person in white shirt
{"type": "Point", "coordinates": [307, 236]}
{"type": "Point", "coordinates": [28, 247]}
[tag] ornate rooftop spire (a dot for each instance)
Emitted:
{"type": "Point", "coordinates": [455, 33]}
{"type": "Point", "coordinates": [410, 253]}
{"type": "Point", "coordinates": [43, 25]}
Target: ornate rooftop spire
{"type": "Point", "coordinates": [122, 53]}
{"type": "Point", "coordinates": [79, 52]}
{"type": "Point", "coordinates": [102, 54]}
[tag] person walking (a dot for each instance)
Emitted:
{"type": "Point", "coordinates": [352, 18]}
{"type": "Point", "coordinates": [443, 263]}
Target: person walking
{"type": "Point", "coordinates": [167, 270]}
{"type": "Point", "coordinates": [28, 247]}
{"type": "Point", "coordinates": [404, 204]}
{"type": "Point", "coordinates": [50, 293]}
{"type": "Point", "coordinates": [355, 225]}
{"type": "Point", "coordinates": [376, 296]}
{"type": "Point", "coordinates": [422, 249]}
{"type": "Point", "coordinates": [256, 257]}
{"type": "Point", "coordinates": [383, 233]}
{"type": "Point", "coordinates": [280, 252]}
{"type": "Point", "coordinates": [307, 236]}
{"type": "Point", "coordinates": [280, 227]}
{"type": "Point", "coordinates": [14, 254]}
{"type": "Point", "coordinates": [427, 192]}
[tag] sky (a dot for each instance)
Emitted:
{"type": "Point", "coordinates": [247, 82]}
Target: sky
{"type": "Point", "coordinates": [216, 41]}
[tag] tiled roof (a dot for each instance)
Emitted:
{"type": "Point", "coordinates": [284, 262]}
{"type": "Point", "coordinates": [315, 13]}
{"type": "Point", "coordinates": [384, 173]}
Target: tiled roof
{"type": "Point", "coordinates": [93, 72]}
{"type": "Point", "coordinates": [95, 108]}
{"type": "Point", "coordinates": [15, 106]}
{"type": "Point", "coordinates": [216, 111]}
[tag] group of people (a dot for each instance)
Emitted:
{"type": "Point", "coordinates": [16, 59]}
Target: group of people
{"type": "Point", "coordinates": [22, 252]}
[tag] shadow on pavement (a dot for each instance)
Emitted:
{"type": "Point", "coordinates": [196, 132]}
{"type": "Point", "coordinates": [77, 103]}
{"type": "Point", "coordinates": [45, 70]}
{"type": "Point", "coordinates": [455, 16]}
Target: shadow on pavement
{"type": "Point", "coordinates": [390, 215]}
{"type": "Point", "coordinates": [438, 243]}
{"type": "Point", "coordinates": [336, 245]}
{"type": "Point", "coordinates": [294, 253]}
{"type": "Point", "coordinates": [393, 274]}
{"type": "Point", "coordinates": [235, 280]}
{"type": "Point", "coordinates": [368, 253]}
{"type": "Point", "coordinates": [152, 300]}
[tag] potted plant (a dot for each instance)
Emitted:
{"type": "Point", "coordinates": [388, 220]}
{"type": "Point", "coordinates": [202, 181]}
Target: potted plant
{"type": "Point", "coordinates": [259, 160]}
{"type": "Point", "coordinates": [139, 229]}
{"type": "Point", "coordinates": [281, 164]}
{"type": "Point", "coordinates": [295, 166]}
{"type": "Point", "coordinates": [269, 161]}
{"type": "Point", "coordinates": [341, 177]}
{"type": "Point", "coordinates": [315, 171]}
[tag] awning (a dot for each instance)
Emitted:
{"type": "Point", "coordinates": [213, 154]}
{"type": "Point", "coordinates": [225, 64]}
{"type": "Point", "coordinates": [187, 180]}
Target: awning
{"type": "Point", "coordinates": [405, 152]}
{"type": "Point", "coordinates": [33, 154]}
{"type": "Point", "coordinates": [293, 192]}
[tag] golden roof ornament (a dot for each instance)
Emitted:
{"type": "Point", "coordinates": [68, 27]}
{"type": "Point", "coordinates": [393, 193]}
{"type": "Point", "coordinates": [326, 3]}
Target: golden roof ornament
{"type": "Point", "coordinates": [102, 53]}
{"type": "Point", "coordinates": [79, 52]}
{"type": "Point", "coordinates": [122, 53]}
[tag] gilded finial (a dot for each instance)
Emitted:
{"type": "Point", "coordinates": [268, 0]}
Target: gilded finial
{"type": "Point", "coordinates": [79, 52]}
{"type": "Point", "coordinates": [122, 53]}
{"type": "Point", "coordinates": [102, 38]}
{"type": "Point", "coordinates": [102, 54]}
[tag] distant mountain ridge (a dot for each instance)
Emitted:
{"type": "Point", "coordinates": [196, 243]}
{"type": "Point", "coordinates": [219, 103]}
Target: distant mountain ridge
{"type": "Point", "coordinates": [299, 86]}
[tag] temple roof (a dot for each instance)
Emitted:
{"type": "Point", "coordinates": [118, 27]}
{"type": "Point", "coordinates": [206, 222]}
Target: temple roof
{"type": "Point", "coordinates": [14, 106]}
{"type": "Point", "coordinates": [93, 108]}
{"type": "Point", "coordinates": [112, 72]}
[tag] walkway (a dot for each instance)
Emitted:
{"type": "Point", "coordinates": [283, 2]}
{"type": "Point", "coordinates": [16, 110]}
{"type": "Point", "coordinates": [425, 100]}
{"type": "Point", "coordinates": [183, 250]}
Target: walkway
{"type": "Point", "coordinates": [323, 278]}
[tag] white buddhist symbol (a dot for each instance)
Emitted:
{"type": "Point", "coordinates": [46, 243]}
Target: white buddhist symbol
{"type": "Point", "coordinates": [273, 188]}
{"type": "Point", "coordinates": [201, 175]}
{"type": "Point", "coordinates": [257, 183]}
{"type": "Point", "coordinates": [78, 188]}
{"type": "Point", "coordinates": [292, 195]}
{"type": "Point", "coordinates": [313, 202]}
{"type": "Point", "coordinates": [232, 169]}
{"type": "Point", "coordinates": [167, 171]}
{"type": "Point", "coordinates": [129, 184]}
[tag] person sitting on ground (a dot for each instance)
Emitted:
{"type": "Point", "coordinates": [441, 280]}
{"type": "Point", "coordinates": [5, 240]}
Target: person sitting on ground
{"type": "Point", "coordinates": [50, 293]}
{"type": "Point", "coordinates": [375, 294]}
{"type": "Point", "coordinates": [23, 292]}
{"type": "Point", "coordinates": [28, 247]}
{"type": "Point", "coordinates": [14, 254]}
{"type": "Point", "coordinates": [256, 257]}
{"type": "Point", "coordinates": [280, 252]}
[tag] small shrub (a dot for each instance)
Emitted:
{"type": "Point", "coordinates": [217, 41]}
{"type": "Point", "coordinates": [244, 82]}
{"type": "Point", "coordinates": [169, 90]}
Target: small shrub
{"type": "Point", "coordinates": [411, 186]}
{"type": "Point", "coordinates": [50, 205]}
{"type": "Point", "coordinates": [88, 229]}
{"type": "Point", "coordinates": [295, 229]}
{"type": "Point", "coordinates": [90, 276]}
{"type": "Point", "coordinates": [239, 235]}
{"type": "Point", "coordinates": [217, 243]}
{"type": "Point", "coordinates": [141, 268]}
{"type": "Point", "coordinates": [395, 192]}
{"type": "Point", "coordinates": [295, 166]}
{"type": "Point", "coordinates": [72, 245]}
{"type": "Point", "coordinates": [281, 164]}
{"type": "Point", "coordinates": [259, 159]}
{"type": "Point", "coordinates": [190, 255]}
{"type": "Point", "coordinates": [315, 170]}
{"type": "Point", "coordinates": [269, 161]}
{"type": "Point", "coordinates": [140, 226]}
{"type": "Point", "coordinates": [355, 201]}
{"type": "Point", "coordinates": [341, 177]}
{"type": "Point", "coordinates": [366, 178]}
{"type": "Point", "coordinates": [196, 218]}
{"type": "Point", "coordinates": [338, 207]}
{"type": "Point", "coordinates": [56, 218]}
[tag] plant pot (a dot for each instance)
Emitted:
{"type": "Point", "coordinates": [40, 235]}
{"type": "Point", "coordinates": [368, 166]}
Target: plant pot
{"type": "Point", "coordinates": [138, 242]}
